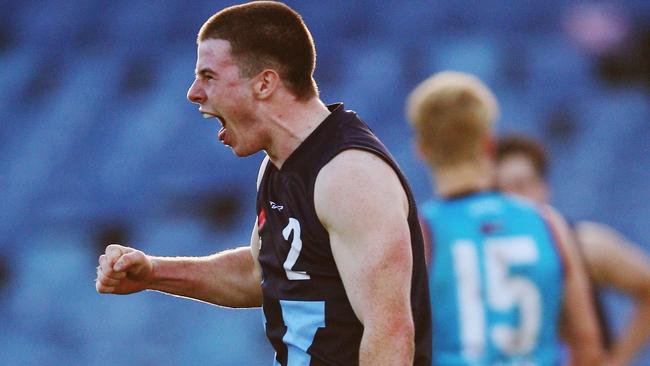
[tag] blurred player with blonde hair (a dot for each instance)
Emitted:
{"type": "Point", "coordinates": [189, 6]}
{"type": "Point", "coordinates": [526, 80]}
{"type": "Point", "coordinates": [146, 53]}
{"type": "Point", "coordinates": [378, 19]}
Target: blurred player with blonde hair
{"type": "Point", "coordinates": [502, 272]}
{"type": "Point", "coordinates": [611, 259]}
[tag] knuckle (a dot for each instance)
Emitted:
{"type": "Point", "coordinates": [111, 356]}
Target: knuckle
{"type": "Point", "coordinates": [113, 251]}
{"type": "Point", "coordinates": [105, 270]}
{"type": "Point", "coordinates": [107, 280]}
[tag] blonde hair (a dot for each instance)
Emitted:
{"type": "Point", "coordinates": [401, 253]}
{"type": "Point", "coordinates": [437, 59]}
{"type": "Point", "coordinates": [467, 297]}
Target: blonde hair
{"type": "Point", "coordinates": [453, 114]}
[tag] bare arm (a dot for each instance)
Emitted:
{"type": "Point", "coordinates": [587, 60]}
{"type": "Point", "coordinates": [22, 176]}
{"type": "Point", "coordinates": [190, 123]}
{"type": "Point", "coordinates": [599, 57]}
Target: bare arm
{"type": "Point", "coordinates": [579, 317]}
{"type": "Point", "coordinates": [361, 202]}
{"type": "Point", "coordinates": [231, 278]}
{"type": "Point", "coordinates": [615, 262]}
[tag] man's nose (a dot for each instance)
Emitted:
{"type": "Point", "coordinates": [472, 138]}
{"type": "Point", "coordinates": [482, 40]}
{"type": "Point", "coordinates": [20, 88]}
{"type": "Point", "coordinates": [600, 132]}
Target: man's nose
{"type": "Point", "coordinates": [195, 94]}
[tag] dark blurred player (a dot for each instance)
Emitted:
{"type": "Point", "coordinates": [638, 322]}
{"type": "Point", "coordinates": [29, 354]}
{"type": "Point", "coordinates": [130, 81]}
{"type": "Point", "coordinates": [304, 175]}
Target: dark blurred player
{"type": "Point", "coordinates": [502, 272]}
{"type": "Point", "coordinates": [336, 256]}
{"type": "Point", "coordinates": [611, 260]}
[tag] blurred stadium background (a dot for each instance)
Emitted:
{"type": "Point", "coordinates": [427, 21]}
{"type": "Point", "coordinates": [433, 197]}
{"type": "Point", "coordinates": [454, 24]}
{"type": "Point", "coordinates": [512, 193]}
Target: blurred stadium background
{"type": "Point", "coordinates": [99, 145]}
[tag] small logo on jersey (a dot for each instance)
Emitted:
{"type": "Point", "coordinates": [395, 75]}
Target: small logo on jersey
{"type": "Point", "coordinates": [275, 206]}
{"type": "Point", "coordinates": [490, 227]}
{"type": "Point", "coordinates": [261, 220]}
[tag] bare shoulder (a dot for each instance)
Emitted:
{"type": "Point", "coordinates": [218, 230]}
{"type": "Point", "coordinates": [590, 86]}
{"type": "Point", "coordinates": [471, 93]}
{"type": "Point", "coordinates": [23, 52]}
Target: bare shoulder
{"type": "Point", "coordinates": [555, 219]}
{"type": "Point", "coordinates": [594, 233]}
{"type": "Point", "coordinates": [564, 237]}
{"type": "Point", "coordinates": [355, 163]}
{"type": "Point", "coordinates": [357, 180]}
{"type": "Point", "coordinates": [602, 243]}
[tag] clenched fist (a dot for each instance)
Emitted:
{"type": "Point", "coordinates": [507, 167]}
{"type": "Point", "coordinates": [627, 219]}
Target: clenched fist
{"type": "Point", "coordinates": [123, 270]}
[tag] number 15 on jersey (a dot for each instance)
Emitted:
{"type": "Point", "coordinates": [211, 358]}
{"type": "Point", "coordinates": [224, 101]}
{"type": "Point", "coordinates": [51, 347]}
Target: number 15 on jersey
{"type": "Point", "coordinates": [503, 291]}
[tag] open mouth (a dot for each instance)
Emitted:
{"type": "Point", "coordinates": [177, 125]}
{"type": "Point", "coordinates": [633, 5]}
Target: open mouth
{"type": "Point", "coordinates": [222, 131]}
{"type": "Point", "coordinates": [208, 115]}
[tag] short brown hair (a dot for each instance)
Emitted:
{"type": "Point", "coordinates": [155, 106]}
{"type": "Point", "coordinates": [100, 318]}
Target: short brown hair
{"type": "Point", "coordinates": [267, 34]}
{"type": "Point", "coordinates": [530, 148]}
{"type": "Point", "coordinates": [452, 113]}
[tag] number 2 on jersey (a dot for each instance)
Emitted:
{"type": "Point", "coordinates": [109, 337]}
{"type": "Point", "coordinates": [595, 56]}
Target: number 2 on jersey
{"type": "Point", "coordinates": [504, 292]}
{"type": "Point", "coordinates": [294, 252]}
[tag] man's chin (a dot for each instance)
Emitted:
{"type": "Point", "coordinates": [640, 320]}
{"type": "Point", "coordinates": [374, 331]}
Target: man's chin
{"type": "Point", "coordinates": [242, 153]}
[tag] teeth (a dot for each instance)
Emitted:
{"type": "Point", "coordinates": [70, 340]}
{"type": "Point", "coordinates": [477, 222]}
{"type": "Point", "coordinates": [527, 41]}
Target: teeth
{"type": "Point", "coordinates": [208, 115]}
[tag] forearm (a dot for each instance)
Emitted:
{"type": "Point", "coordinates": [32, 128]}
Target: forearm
{"type": "Point", "coordinates": [226, 279]}
{"type": "Point", "coordinates": [634, 337]}
{"type": "Point", "coordinates": [583, 334]}
{"type": "Point", "coordinates": [388, 345]}
{"type": "Point", "coordinates": [585, 355]}
{"type": "Point", "coordinates": [583, 339]}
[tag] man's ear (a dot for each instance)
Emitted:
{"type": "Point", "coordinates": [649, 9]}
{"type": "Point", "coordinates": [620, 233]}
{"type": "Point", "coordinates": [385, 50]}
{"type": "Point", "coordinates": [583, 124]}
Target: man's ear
{"type": "Point", "coordinates": [267, 82]}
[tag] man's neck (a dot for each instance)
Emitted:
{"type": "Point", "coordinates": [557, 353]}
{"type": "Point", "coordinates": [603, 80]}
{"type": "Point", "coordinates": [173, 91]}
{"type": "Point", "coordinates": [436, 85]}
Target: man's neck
{"type": "Point", "coordinates": [290, 124]}
{"type": "Point", "coordinates": [472, 176]}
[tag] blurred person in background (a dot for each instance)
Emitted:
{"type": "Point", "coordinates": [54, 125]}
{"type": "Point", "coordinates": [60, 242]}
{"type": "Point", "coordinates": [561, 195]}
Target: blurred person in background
{"type": "Point", "coordinates": [502, 272]}
{"type": "Point", "coordinates": [612, 261]}
{"type": "Point", "coordinates": [338, 286]}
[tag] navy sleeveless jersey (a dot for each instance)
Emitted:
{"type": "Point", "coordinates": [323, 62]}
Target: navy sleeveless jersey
{"type": "Point", "coordinates": [308, 316]}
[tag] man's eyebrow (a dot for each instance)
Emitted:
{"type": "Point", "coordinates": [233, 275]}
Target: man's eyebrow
{"type": "Point", "coordinates": [204, 72]}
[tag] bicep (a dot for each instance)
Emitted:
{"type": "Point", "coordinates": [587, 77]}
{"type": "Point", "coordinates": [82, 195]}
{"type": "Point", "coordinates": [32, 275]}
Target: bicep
{"type": "Point", "coordinates": [566, 245]}
{"type": "Point", "coordinates": [364, 208]}
{"type": "Point", "coordinates": [576, 283]}
{"type": "Point", "coordinates": [375, 270]}
{"type": "Point", "coordinates": [578, 310]}
{"type": "Point", "coordinates": [576, 279]}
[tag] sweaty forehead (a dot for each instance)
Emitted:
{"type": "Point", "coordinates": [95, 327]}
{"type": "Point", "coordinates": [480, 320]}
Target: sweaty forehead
{"type": "Point", "coordinates": [214, 53]}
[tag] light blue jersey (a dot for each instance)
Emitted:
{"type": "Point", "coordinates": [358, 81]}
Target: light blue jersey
{"type": "Point", "coordinates": [496, 281]}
